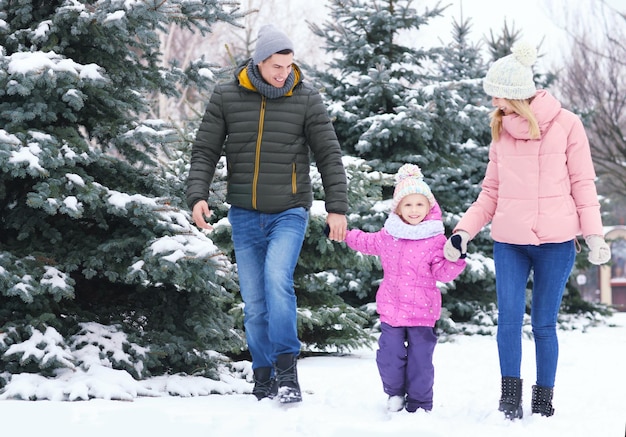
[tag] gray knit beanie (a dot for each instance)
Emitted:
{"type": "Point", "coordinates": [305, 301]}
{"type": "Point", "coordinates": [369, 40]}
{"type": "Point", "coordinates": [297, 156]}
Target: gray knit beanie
{"type": "Point", "coordinates": [511, 77]}
{"type": "Point", "coordinates": [269, 41]}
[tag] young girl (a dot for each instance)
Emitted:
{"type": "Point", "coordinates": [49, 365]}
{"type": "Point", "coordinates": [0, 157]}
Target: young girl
{"type": "Point", "coordinates": [410, 247]}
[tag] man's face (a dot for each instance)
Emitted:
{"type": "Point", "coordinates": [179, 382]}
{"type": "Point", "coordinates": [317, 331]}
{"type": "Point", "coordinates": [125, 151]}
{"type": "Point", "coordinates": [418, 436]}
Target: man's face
{"type": "Point", "coordinates": [276, 68]}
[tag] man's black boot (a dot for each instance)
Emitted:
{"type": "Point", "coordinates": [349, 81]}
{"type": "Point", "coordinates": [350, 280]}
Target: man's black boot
{"type": "Point", "coordinates": [264, 384]}
{"type": "Point", "coordinates": [287, 379]}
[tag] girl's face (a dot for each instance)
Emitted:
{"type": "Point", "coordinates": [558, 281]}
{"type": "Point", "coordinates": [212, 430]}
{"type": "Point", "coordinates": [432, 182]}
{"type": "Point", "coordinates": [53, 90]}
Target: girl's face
{"type": "Point", "coordinates": [503, 105]}
{"type": "Point", "coordinates": [413, 208]}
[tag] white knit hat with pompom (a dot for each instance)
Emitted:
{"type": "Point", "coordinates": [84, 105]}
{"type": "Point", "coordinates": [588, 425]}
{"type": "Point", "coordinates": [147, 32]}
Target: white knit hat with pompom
{"type": "Point", "coordinates": [511, 77]}
{"type": "Point", "coordinates": [410, 180]}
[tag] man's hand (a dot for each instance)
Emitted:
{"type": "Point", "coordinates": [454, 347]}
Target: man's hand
{"type": "Point", "coordinates": [200, 213]}
{"type": "Point", "coordinates": [338, 224]}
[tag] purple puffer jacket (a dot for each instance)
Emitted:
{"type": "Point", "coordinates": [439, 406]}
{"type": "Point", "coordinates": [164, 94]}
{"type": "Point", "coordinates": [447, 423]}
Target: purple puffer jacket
{"type": "Point", "coordinates": [412, 260]}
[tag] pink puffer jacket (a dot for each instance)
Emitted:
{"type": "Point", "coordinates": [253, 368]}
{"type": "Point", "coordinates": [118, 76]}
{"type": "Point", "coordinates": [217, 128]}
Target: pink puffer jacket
{"type": "Point", "coordinates": [538, 191]}
{"type": "Point", "coordinates": [408, 294]}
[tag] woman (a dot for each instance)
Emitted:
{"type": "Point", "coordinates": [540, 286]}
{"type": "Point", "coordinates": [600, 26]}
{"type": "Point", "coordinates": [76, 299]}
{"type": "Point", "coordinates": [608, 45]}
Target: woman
{"type": "Point", "coordinates": [539, 194]}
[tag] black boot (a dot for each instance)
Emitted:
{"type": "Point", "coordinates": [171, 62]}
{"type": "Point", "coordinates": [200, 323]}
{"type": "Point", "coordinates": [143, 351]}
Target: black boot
{"type": "Point", "coordinates": [542, 400]}
{"type": "Point", "coordinates": [511, 399]}
{"type": "Point", "coordinates": [287, 379]}
{"type": "Point", "coordinates": [264, 384]}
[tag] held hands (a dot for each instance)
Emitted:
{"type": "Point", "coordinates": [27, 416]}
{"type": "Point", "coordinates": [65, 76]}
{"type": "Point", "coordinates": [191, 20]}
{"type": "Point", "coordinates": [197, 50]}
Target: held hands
{"type": "Point", "coordinates": [336, 226]}
{"type": "Point", "coordinates": [200, 213]}
{"type": "Point", "coordinates": [456, 246]}
{"type": "Point", "coordinates": [599, 251]}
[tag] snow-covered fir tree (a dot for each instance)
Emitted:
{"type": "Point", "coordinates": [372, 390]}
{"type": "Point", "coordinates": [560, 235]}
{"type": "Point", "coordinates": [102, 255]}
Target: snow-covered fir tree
{"type": "Point", "coordinates": [99, 262]}
{"type": "Point", "coordinates": [95, 242]}
{"type": "Point", "coordinates": [395, 103]}
{"type": "Point", "coordinates": [100, 265]}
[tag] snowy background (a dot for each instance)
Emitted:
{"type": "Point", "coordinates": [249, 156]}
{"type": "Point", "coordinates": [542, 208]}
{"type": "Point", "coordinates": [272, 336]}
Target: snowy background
{"type": "Point", "coordinates": [342, 394]}
{"type": "Point", "coordinates": [343, 397]}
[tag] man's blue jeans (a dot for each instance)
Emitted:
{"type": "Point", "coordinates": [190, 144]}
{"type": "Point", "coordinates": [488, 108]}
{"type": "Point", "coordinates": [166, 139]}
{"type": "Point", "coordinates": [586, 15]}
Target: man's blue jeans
{"type": "Point", "coordinates": [551, 265]}
{"type": "Point", "coordinates": [267, 247]}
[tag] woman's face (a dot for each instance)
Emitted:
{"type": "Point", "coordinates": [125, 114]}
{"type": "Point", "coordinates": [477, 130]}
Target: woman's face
{"type": "Point", "coordinates": [503, 105]}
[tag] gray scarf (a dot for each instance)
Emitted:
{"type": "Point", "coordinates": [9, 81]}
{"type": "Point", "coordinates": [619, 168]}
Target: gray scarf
{"type": "Point", "coordinates": [397, 228]}
{"type": "Point", "coordinates": [267, 90]}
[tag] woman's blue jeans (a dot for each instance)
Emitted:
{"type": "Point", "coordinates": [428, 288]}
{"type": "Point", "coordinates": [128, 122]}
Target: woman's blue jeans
{"type": "Point", "coordinates": [267, 247]}
{"type": "Point", "coordinates": [551, 265]}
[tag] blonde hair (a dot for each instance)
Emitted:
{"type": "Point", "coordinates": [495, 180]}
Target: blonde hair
{"type": "Point", "coordinates": [521, 107]}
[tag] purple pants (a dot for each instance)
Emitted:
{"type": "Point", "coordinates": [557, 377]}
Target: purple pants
{"type": "Point", "coordinates": [405, 363]}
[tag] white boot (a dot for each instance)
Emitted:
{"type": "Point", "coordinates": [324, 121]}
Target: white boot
{"type": "Point", "coordinates": [395, 403]}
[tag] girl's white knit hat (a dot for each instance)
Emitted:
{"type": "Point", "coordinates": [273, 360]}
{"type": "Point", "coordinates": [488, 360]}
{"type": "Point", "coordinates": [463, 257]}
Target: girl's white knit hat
{"type": "Point", "coordinates": [410, 180]}
{"type": "Point", "coordinates": [511, 77]}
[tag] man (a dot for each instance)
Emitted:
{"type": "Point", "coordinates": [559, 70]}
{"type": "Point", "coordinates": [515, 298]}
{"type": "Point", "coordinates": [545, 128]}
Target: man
{"type": "Point", "coordinates": [267, 122]}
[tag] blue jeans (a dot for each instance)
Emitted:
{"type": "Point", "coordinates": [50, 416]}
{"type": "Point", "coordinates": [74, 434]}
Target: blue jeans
{"type": "Point", "coordinates": [267, 247]}
{"type": "Point", "coordinates": [551, 265]}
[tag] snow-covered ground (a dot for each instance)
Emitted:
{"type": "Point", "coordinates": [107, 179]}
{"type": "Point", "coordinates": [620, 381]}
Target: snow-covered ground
{"type": "Point", "coordinates": [343, 397]}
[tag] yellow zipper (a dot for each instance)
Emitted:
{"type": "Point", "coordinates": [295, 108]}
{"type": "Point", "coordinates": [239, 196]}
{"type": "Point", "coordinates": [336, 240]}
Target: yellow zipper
{"type": "Point", "coordinates": [294, 185]}
{"type": "Point", "coordinates": [257, 158]}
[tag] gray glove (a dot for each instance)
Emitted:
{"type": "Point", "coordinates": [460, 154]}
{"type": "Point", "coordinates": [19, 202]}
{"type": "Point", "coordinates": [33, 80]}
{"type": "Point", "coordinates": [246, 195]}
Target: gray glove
{"type": "Point", "coordinates": [456, 246]}
{"type": "Point", "coordinates": [599, 251]}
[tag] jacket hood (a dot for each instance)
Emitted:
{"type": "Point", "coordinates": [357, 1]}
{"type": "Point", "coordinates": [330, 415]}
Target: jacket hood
{"type": "Point", "coordinates": [544, 106]}
{"type": "Point", "coordinates": [434, 213]}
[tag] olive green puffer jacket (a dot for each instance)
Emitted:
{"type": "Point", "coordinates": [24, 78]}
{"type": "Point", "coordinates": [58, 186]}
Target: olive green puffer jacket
{"type": "Point", "coordinates": [268, 144]}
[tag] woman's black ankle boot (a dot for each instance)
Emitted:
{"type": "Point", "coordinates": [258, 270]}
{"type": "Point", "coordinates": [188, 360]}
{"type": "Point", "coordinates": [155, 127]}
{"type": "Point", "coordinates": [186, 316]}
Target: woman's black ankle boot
{"type": "Point", "coordinates": [511, 399]}
{"type": "Point", "coordinates": [542, 401]}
